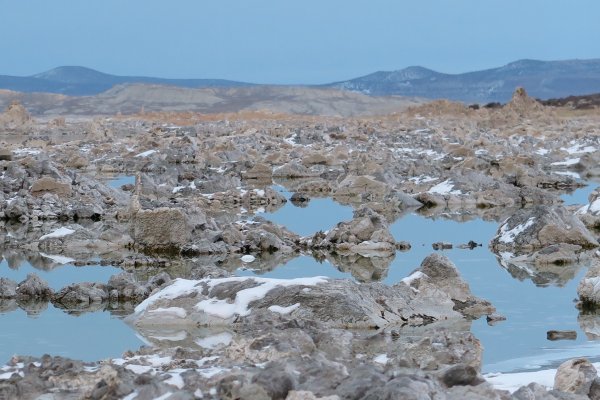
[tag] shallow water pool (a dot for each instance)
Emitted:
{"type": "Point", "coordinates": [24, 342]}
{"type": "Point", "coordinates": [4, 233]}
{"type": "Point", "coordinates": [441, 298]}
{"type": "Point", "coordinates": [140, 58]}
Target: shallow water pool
{"type": "Point", "coordinates": [120, 180]}
{"type": "Point", "coordinates": [532, 308]}
{"type": "Point", "coordinates": [319, 214]}
{"type": "Point", "coordinates": [88, 337]}
{"type": "Point", "coordinates": [60, 276]}
{"type": "Point", "coordinates": [580, 196]}
{"type": "Point", "coordinates": [45, 329]}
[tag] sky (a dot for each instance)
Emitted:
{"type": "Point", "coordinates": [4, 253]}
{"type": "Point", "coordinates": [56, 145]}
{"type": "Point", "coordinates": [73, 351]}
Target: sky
{"type": "Point", "coordinates": [286, 41]}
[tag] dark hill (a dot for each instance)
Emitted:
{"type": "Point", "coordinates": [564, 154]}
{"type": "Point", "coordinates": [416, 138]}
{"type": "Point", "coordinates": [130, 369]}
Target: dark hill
{"type": "Point", "coordinates": [542, 79]}
{"type": "Point", "coordinates": [81, 81]}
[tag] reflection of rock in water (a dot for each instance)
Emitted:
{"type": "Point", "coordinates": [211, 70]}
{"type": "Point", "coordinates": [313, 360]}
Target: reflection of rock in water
{"type": "Point", "coordinates": [363, 269]}
{"type": "Point", "coordinates": [15, 258]}
{"type": "Point", "coordinates": [541, 275]}
{"type": "Point", "coordinates": [460, 214]}
{"type": "Point", "coordinates": [32, 307]}
{"type": "Point", "coordinates": [407, 343]}
{"type": "Point", "coordinates": [300, 199]}
{"type": "Point", "coordinates": [8, 305]}
{"type": "Point", "coordinates": [189, 337]}
{"type": "Point", "coordinates": [81, 309]}
{"type": "Point", "coordinates": [265, 262]}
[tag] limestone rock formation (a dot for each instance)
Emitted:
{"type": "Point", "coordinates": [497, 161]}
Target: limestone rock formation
{"type": "Point", "coordinates": [522, 104]}
{"type": "Point", "coordinates": [589, 287]}
{"type": "Point", "coordinates": [50, 185]}
{"type": "Point", "coordinates": [540, 228]}
{"type": "Point", "coordinates": [33, 287]}
{"type": "Point", "coordinates": [366, 234]}
{"type": "Point", "coordinates": [160, 229]}
{"type": "Point", "coordinates": [590, 213]}
{"type": "Point", "coordinates": [15, 117]}
{"type": "Point", "coordinates": [434, 292]}
{"type": "Point", "coordinates": [575, 376]}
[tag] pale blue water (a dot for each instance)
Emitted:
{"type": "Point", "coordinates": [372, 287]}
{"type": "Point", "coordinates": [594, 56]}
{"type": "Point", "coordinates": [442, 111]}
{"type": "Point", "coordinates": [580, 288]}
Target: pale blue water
{"type": "Point", "coordinates": [580, 196]}
{"type": "Point", "coordinates": [91, 336]}
{"type": "Point", "coordinates": [121, 180]}
{"type": "Point", "coordinates": [320, 214]}
{"type": "Point", "coordinates": [61, 275]}
{"type": "Point", "coordinates": [88, 337]}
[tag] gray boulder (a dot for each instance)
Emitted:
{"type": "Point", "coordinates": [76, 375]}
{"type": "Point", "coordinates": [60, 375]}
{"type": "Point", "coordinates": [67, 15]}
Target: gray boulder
{"type": "Point", "coordinates": [419, 299]}
{"type": "Point", "coordinates": [537, 228]}
{"type": "Point", "coordinates": [589, 287]}
{"type": "Point", "coordinates": [461, 375]}
{"type": "Point", "coordinates": [160, 229]}
{"type": "Point", "coordinates": [366, 234]}
{"type": "Point", "coordinates": [158, 280]}
{"type": "Point", "coordinates": [360, 381]}
{"type": "Point", "coordinates": [50, 185]}
{"type": "Point", "coordinates": [259, 171]}
{"type": "Point", "coordinates": [33, 287]}
{"type": "Point", "coordinates": [125, 286]}
{"type": "Point", "coordinates": [590, 213]}
{"type": "Point", "coordinates": [575, 376]}
{"type": "Point", "coordinates": [353, 186]}
{"type": "Point", "coordinates": [438, 270]}
{"type": "Point", "coordinates": [16, 209]}
{"type": "Point", "coordinates": [81, 294]}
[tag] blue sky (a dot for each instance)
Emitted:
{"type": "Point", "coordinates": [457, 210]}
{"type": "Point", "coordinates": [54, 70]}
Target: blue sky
{"type": "Point", "coordinates": [285, 41]}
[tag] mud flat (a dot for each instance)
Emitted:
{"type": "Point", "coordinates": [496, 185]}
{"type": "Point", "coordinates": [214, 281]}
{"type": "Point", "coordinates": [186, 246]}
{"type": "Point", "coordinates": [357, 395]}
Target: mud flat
{"type": "Point", "coordinates": [182, 211]}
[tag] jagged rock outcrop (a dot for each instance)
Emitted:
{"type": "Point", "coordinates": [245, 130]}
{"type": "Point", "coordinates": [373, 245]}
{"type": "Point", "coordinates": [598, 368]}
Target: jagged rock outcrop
{"type": "Point", "coordinates": [522, 104]}
{"type": "Point", "coordinates": [33, 288]}
{"type": "Point", "coordinates": [590, 213]}
{"type": "Point", "coordinates": [434, 292]}
{"type": "Point", "coordinates": [15, 117]}
{"type": "Point", "coordinates": [588, 289]}
{"type": "Point", "coordinates": [367, 234]}
{"type": "Point", "coordinates": [160, 229]}
{"type": "Point", "coordinates": [543, 233]}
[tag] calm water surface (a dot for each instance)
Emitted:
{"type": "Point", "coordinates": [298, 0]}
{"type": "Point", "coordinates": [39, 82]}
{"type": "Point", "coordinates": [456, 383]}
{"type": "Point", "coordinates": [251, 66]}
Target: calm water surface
{"type": "Point", "coordinates": [90, 336]}
{"type": "Point", "coordinates": [120, 180]}
{"type": "Point", "coordinates": [515, 344]}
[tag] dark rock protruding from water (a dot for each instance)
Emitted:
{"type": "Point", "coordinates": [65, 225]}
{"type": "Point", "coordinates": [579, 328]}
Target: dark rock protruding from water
{"type": "Point", "coordinates": [589, 288]}
{"type": "Point", "coordinates": [366, 234]}
{"type": "Point", "coordinates": [81, 294]}
{"type": "Point", "coordinates": [543, 235]}
{"type": "Point", "coordinates": [34, 288]}
{"type": "Point", "coordinates": [561, 335]}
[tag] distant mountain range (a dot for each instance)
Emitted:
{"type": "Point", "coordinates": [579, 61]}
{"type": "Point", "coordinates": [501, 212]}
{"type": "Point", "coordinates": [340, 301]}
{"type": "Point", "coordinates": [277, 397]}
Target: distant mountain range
{"type": "Point", "coordinates": [81, 81]}
{"type": "Point", "coordinates": [541, 79]}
